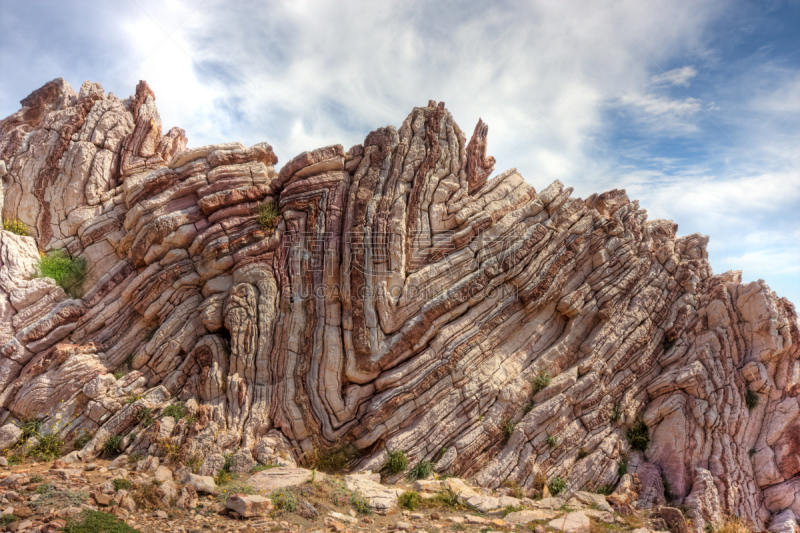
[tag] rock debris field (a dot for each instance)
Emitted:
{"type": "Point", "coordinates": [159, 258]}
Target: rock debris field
{"type": "Point", "coordinates": [385, 337]}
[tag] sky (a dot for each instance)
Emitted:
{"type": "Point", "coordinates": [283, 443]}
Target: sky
{"type": "Point", "coordinates": [692, 107]}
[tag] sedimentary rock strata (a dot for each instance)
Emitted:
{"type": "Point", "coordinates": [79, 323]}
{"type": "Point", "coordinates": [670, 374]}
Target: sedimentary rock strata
{"type": "Point", "coordinates": [403, 300]}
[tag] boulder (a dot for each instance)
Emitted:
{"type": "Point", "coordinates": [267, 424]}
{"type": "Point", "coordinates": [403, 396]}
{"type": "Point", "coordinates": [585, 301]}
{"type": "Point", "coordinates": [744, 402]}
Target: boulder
{"type": "Point", "coordinates": [382, 499]}
{"type": "Point", "coordinates": [575, 522]}
{"type": "Point", "coordinates": [202, 484]}
{"type": "Point", "coordinates": [283, 476]}
{"type": "Point", "coordinates": [249, 505]}
{"type": "Point", "coordinates": [9, 435]}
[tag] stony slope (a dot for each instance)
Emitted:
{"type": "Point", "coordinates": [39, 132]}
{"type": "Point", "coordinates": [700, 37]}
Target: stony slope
{"type": "Point", "coordinates": [402, 301]}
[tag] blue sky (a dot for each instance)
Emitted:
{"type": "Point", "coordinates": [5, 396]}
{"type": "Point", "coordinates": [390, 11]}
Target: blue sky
{"type": "Point", "coordinates": [692, 107]}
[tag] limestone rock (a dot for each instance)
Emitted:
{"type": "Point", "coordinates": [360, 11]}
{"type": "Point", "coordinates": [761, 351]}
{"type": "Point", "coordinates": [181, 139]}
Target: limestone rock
{"type": "Point", "coordinates": [576, 522]}
{"type": "Point", "coordinates": [521, 518]}
{"type": "Point", "coordinates": [393, 296]}
{"type": "Point", "coordinates": [202, 484]}
{"type": "Point", "coordinates": [283, 476]}
{"type": "Point", "coordinates": [9, 435]}
{"type": "Point", "coordinates": [382, 499]}
{"type": "Point", "coordinates": [249, 506]}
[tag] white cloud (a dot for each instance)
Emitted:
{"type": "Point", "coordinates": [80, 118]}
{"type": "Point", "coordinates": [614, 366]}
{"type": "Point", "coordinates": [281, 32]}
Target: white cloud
{"type": "Point", "coordinates": [676, 76]}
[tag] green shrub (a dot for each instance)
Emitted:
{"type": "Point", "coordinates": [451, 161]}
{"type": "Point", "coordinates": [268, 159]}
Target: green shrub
{"type": "Point", "coordinates": [396, 462]}
{"type": "Point", "coordinates": [421, 470]}
{"type": "Point", "coordinates": [121, 484]}
{"type": "Point", "coordinates": [268, 215]}
{"type": "Point", "coordinates": [528, 408]}
{"type": "Point", "coordinates": [176, 411]}
{"type": "Point", "coordinates": [67, 272]}
{"type": "Point", "coordinates": [511, 509]}
{"type": "Point", "coordinates": [97, 522]}
{"type": "Point", "coordinates": [145, 416]}
{"type": "Point", "coordinates": [111, 445]}
{"type": "Point", "coordinates": [223, 477]}
{"type": "Point", "coordinates": [605, 490]}
{"type": "Point", "coordinates": [616, 412]}
{"type": "Point", "coordinates": [751, 400]}
{"type": "Point", "coordinates": [409, 500]}
{"type": "Point", "coordinates": [30, 429]}
{"type": "Point", "coordinates": [557, 485]}
{"type": "Point", "coordinates": [582, 454]}
{"type": "Point", "coordinates": [622, 466]}
{"type": "Point", "coordinates": [449, 499]}
{"type": "Point", "coordinates": [360, 503]}
{"type": "Point", "coordinates": [552, 441]}
{"type": "Point", "coordinates": [228, 466]}
{"type": "Point", "coordinates": [638, 435]}
{"type": "Point", "coordinates": [48, 447]}
{"type": "Point", "coordinates": [541, 382]}
{"type": "Point", "coordinates": [194, 462]}
{"type": "Point", "coordinates": [16, 226]}
{"type": "Point", "coordinates": [284, 499]}
{"type": "Point", "coordinates": [7, 519]}
{"type": "Point", "coordinates": [508, 428]}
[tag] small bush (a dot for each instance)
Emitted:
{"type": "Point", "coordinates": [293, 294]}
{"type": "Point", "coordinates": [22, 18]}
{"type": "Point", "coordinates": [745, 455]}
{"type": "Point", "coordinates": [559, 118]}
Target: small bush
{"type": "Point", "coordinates": [552, 441]}
{"type": "Point", "coordinates": [111, 446]}
{"type": "Point", "coordinates": [284, 500]}
{"type": "Point", "coordinates": [145, 416]}
{"type": "Point", "coordinates": [751, 400]}
{"type": "Point", "coordinates": [396, 462]}
{"type": "Point", "coordinates": [622, 466]}
{"type": "Point", "coordinates": [121, 484]}
{"type": "Point", "coordinates": [539, 481]}
{"type": "Point", "coordinates": [557, 485]}
{"type": "Point", "coordinates": [516, 490]}
{"type": "Point", "coordinates": [36, 479]}
{"type": "Point", "coordinates": [410, 499]}
{"type": "Point", "coordinates": [30, 429]}
{"type": "Point", "coordinates": [97, 522]}
{"type": "Point", "coordinates": [605, 490]}
{"type": "Point", "coordinates": [176, 411]}
{"type": "Point", "coordinates": [360, 503]}
{"type": "Point", "coordinates": [528, 408]}
{"type": "Point", "coordinates": [616, 412]}
{"type": "Point", "coordinates": [7, 519]}
{"type": "Point", "coordinates": [332, 460]}
{"type": "Point", "coordinates": [48, 448]}
{"type": "Point", "coordinates": [448, 499]}
{"type": "Point", "coordinates": [511, 509]}
{"type": "Point", "coordinates": [508, 428]}
{"type": "Point", "coordinates": [194, 462]}
{"type": "Point", "coordinates": [268, 215]}
{"type": "Point", "coordinates": [541, 382]}
{"type": "Point", "coordinates": [16, 226]}
{"type": "Point", "coordinates": [734, 524]}
{"type": "Point", "coordinates": [421, 470]}
{"type": "Point", "coordinates": [67, 272]}
{"type": "Point", "coordinates": [638, 435]}
{"type": "Point", "coordinates": [582, 454]}
{"type": "Point", "coordinates": [223, 477]}
{"type": "Point", "coordinates": [751, 452]}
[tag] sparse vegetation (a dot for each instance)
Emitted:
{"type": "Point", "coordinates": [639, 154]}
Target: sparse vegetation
{"type": "Point", "coordinates": [30, 429]}
{"type": "Point", "coordinates": [605, 490]}
{"type": "Point", "coordinates": [176, 411]}
{"type": "Point", "coordinates": [541, 382]}
{"type": "Point", "coordinates": [508, 428]}
{"type": "Point", "coordinates": [449, 499]}
{"type": "Point", "coordinates": [145, 416]}
{"type": "Point", "coordinates": [734, 524]}
{"type": "Point", "coordinates": [516, 490]}
{"type": "Point", "coordinates": [194, 462]}
{"type": "Point", "coordinates": [410, 500]}
{"type": "Point", "coordinates": [66, 271]}
{"type": "Point", "coordinates": [511, 509]}
{"type": "Point", "coordinates": [668, 342]}
{"type": "Point", "coordinates": [582, 454]}
{"type": "Point", "coordinates": [528, 408]}
{"type": "Point", "coordinates": [360, 503]}
{"type": "Point", "coordinates": [622, 466]}
{"type": "Point", "coordinates": [557, 485]}
{"type": "Point", "coordinates": [552, 441]}
{"type": "Point", "coordinates": [97, 522]}
{"type": "Point", "coordinates": [111, 446]}
{"type": "Point", "coordinates": [50, 497]}
{"type": "Point", "coordinates": [48, 447]}
{"type": "Point", "coordinates": [268, 215]}
{"type": "Point", "coordinates": [751, 400]}
{"type": "Point", "coordinates": [638, 435]}
{"type": "Point", "coordinates": [331, 461]}
{"type": "Point", "coordinates": [616, 412]}
{"type": "Point", "coordinates": [421, 470]}
{"type": "Point", "coordinates": [121, 484]}
{"type": "Point", "coordinates": [261, 468]}
{"type": "Point", "coordinates": [16, 226]}
{"type": "Point", "coordinates": [396, 462]}
{"type": "Point", "coordinates": [7, 519]}
{"type": "Point", "coordinates": [284, 499]}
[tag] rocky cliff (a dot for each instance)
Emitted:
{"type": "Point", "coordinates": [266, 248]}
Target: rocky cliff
{"type": "Point", "coordinates": [387, 297]}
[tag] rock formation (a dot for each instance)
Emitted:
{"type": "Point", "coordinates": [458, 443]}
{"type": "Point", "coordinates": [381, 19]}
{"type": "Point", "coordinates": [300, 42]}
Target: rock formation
{"type": "Point", "coordinates": [402, 300]}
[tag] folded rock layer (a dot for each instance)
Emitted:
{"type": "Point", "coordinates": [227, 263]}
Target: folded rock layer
{"type": "Point", "coordinates": [402, 300]}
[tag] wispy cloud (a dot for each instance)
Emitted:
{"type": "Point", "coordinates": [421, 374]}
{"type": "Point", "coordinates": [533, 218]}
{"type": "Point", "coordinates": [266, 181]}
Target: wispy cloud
{"type": "Point", "coordinates": [676, 76]}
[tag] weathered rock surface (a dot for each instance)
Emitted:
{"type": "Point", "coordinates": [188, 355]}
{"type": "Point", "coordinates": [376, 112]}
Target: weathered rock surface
{"type": "Point", "coordinates": [402, 300]}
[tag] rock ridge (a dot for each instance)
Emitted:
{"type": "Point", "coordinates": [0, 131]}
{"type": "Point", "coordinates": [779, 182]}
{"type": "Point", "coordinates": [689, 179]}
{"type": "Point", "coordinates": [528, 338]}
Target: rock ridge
{"type": "Point", "coordinates": [398, 298]}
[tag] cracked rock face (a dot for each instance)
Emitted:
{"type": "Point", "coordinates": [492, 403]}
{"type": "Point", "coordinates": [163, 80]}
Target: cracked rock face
{"type": "Point", "coordinates": [403, 299]}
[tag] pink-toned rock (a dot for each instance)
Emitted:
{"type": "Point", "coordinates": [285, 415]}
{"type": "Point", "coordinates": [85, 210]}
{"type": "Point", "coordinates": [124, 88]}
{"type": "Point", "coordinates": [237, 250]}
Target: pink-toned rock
{"type": "Point", "coordinates": [249, 505]}
{"type": "Point", "coordinates": [394, 296]}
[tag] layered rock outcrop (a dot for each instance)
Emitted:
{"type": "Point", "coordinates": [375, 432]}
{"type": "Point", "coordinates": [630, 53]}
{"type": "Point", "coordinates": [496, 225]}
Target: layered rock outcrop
{"type": "Point", "coordinates": [402, 300]}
